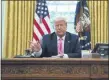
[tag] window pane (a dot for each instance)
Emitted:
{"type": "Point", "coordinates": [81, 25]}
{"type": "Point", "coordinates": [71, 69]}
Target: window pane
{"type": "Point", "coordinates": [63, 9]}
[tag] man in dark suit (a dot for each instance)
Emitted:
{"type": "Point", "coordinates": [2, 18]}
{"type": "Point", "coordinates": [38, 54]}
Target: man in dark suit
{"type": "Point", "coordinates": [60, 43]}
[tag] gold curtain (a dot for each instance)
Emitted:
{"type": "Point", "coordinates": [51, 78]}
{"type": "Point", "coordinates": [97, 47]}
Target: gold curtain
{"type": "Point", "coordinates": [18, 27]}
{"type": "Point", "coordinates": [99, 21]}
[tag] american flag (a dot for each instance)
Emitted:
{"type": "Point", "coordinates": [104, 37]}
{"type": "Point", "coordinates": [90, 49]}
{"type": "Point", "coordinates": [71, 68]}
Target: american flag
{"type": "Point", "coordinates": [82, 8]}
{"type": "Point", "coordinates": [41, 20]}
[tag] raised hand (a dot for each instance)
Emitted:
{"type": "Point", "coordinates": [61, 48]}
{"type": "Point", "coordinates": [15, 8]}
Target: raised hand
{"type": "Point", "coordinates": [35, 46]}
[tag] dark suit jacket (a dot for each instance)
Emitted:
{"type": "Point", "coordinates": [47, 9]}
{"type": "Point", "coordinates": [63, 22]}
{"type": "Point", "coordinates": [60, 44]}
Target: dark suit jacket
{"type": "Point", "coordinates": [71, 45]}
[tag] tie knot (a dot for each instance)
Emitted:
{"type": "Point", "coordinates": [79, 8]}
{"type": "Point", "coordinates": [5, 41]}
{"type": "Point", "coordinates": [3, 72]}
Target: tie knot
{"type": "Point", "coordinates": [60, 39]}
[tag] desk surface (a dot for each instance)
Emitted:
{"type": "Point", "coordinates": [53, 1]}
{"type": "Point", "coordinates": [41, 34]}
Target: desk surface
{"type": "Point", "coordinates": [57, 59]}
{"type": "Point", "coordinates": [55, 68]}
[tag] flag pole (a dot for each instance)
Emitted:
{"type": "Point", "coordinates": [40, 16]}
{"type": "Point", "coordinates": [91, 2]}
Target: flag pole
{"type": "Point", "coordinates": [81, 11]}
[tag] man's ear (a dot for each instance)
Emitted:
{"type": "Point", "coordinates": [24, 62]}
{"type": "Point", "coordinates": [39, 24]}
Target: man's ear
{"type": "Point", "coordinates": [66, 24]}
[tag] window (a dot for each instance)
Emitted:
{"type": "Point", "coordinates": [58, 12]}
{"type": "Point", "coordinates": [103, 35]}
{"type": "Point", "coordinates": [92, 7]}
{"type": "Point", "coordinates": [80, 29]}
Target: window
{"type": "Point", "coordinates": [65, 9]}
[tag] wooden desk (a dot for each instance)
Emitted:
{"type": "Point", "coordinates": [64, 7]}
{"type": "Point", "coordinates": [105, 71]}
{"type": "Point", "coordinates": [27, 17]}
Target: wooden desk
{"type": "Point", "coordinates": [54, 69]}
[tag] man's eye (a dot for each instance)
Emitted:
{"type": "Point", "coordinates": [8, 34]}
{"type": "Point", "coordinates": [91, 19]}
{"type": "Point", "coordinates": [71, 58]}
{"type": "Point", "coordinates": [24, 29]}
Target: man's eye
{"type": "Point", "coordinates": [61, 24]}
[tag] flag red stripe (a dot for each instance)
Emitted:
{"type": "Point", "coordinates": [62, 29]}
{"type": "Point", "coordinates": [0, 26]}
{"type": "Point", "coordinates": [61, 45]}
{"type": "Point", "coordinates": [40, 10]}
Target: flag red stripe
{"type": "Point", "coordinates": [35, 36]}
{"type": "Point", "coordinates": [38, 27]}
{"type": "Point", "coordinates": [46, 25]}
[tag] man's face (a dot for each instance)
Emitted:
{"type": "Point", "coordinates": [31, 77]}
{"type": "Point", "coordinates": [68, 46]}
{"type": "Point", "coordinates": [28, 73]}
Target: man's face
{"type": "Point", "coordinates": [61, 27]}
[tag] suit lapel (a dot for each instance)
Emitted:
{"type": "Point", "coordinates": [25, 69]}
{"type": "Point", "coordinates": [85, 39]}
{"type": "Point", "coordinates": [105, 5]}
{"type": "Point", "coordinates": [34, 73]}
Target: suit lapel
{"type": "Point", "coordinates": [66, 43]}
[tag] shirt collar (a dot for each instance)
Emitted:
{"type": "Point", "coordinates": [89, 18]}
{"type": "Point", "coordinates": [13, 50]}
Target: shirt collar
{"type": "Point", "coordinates": [63, 38]}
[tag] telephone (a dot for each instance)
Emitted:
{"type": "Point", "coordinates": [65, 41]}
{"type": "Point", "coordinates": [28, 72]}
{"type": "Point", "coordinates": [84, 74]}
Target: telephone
{"type": "Point", "coordinates": [102, 49]}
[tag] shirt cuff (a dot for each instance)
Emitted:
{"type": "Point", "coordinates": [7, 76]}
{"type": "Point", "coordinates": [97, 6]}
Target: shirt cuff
{"type": "Point", "coordinates": [65, 56]}
{"type": "Point", "coordinates": [37, 54]}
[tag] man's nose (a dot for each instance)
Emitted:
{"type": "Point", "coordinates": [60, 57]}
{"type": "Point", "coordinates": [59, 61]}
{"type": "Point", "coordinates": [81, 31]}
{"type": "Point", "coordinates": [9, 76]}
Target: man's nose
{"type": "Point", "coordinates": [59, 26]}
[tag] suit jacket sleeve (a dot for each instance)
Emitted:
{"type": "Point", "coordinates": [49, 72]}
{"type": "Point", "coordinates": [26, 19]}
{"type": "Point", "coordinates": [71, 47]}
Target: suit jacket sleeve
{"type": "Point", "coordinates": [44, 46]}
